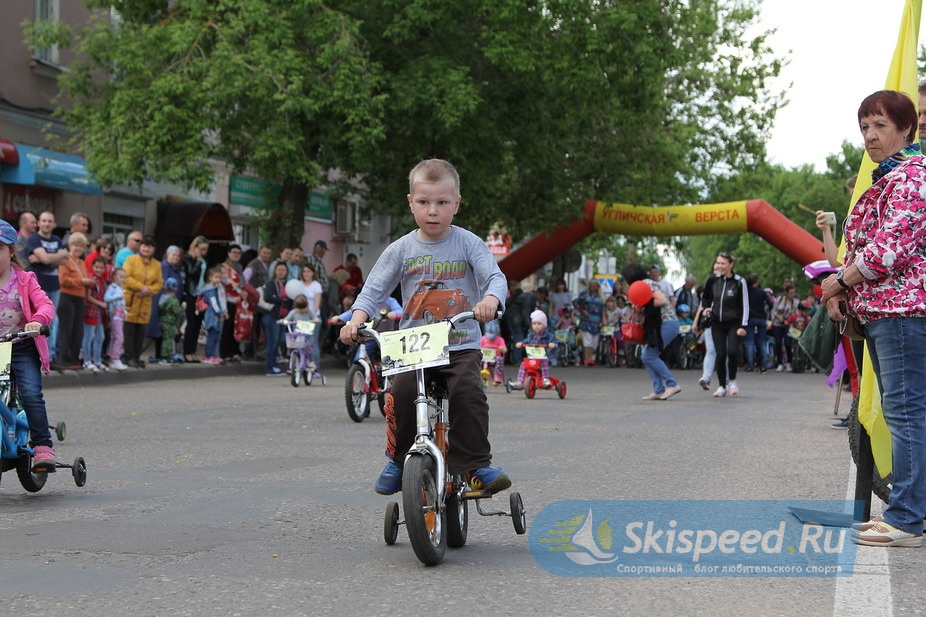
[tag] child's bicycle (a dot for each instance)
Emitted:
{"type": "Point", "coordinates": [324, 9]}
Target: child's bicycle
{"type": "Point", "coordinates": [533, 379]}
{"type": "Point", "coordinates": [15, 452]}
{"type": "Point", "coordinates": [566, 352]}
{"type": "Point", "coordinates": [365, 380]}
{"type": "Point", "coordinates": [608, 352]}
{"type": "Point", "coordinates": [489, 358]}
{"type": "Point", "coordinates": [435, 501]}
{"type": "Point", "coordinates": [300, 343]}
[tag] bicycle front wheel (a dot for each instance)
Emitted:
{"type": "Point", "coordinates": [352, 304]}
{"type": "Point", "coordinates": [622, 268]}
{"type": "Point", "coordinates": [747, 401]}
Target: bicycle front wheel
{"type": "Point", "coordinates": [425, 518]}
{"type": "Point", "coordinates": [294, 368]}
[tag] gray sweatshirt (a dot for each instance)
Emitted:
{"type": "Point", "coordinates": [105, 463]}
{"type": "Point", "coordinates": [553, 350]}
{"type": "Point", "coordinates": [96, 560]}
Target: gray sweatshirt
{"type": "Point", "coordinates": [439, 279]}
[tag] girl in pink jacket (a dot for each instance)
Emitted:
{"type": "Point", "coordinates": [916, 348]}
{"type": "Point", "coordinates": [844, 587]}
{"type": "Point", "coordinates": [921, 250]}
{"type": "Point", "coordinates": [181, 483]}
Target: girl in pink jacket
{"type": "Point", "coordinates": [24, 306]}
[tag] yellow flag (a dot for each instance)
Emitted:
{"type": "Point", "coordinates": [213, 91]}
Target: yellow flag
{"type": "Point", "coordinates": [901, 76]}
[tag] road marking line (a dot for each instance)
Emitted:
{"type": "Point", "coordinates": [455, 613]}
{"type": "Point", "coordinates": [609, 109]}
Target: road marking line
{"type": "Point", "coordinates": [868, 591]}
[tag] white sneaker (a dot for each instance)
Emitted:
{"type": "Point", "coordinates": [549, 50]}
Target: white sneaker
{"type": "Point", "coordinates": [781, 367]}
{"type": "Point", "coordinates": [90, 366]}
{"type": "Point", "coordinates": [547, 383]}
{"type": "Point", "coordinates": [119, 365]}
{"type": "Point", "coordinates": [102, 367]}
{"type": "Point", "coordinates": [788, 367]}
{"type": "Point", "coordinates": [732, 388]}
{"type": "Point", "coordinates": [720, 391]}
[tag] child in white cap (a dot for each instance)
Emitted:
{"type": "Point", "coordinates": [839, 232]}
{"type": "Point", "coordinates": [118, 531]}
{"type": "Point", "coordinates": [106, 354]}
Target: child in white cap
{"type": "Point", "coordinates": [539, 335]}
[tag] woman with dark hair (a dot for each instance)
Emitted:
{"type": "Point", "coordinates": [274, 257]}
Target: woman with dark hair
{"type": "Point", "coordinates": [727, 297]}
{"type": "Point", "coordinates": [883, 286]}
{"type": "Point", "coordinates": [660, 325]}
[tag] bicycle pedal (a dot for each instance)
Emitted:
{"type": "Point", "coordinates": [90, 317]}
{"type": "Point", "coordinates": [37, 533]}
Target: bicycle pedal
{"type": "Point", "coordinates": [477, 495]}
{"type": "Point", "coordinates": [44, 468]}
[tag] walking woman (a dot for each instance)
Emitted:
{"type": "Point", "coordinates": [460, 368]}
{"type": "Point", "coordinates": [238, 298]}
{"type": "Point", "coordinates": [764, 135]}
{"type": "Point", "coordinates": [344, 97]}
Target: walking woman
{"type": "Point", "coordinates": [727, 297]}
{"type": "Point", "coordinates": [660, 325]}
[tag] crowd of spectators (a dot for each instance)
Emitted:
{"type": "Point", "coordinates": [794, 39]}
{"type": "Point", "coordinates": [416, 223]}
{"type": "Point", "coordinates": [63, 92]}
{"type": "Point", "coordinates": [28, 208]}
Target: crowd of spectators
{"type": "Point", "coordinates": [117, 310]}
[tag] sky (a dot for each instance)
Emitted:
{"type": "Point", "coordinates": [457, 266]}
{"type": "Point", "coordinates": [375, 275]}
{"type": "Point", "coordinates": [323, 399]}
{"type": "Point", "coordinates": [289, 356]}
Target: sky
{"type": "Point", "coordinates": [839, 52]}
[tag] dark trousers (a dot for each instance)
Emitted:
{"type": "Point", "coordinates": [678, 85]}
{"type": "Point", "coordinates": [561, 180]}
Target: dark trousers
{"type": "Point", "coordinates": [469, 413]}
{"type": "Point", "coordinates": [228, 346]}
{"type": "Point", "coordinates": [727, 346]}
{"type": "Point", "coordinates": [70, 328]}
{"type": "Point", "coordinates": [134, 334]}
{"type": "Point", "coordinates": [194, 322]}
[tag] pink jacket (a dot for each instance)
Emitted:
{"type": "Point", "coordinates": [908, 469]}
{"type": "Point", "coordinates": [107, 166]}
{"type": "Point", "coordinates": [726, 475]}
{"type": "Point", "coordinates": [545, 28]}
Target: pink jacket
{"type": "Point", "coordinates": [36, 307]}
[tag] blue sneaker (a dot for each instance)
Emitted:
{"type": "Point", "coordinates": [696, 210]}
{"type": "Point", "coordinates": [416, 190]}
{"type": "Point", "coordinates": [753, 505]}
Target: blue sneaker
{"type": "Point", "coordinates": [390, 480]}
{"type": "Point", "coordinates": [488, 478]}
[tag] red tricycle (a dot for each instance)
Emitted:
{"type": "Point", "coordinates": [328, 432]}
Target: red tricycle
{"type": "Point", "coordinates": [533, 378]}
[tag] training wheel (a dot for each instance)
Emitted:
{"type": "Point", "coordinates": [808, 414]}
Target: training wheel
{"type": "Point", "coordinates": [561, 389]}
{"type": "Point", "coordinates": [391, 524]}
{"type": "Point", "coordinates": [517, 513]}
{"type": "Point", "coordinates": [61, 431]}
{"type": "Point", "coordinates": [324, 380]}
{"type": "Point", "coordinates": [79, 471]}
{"type": "Point", "coordinates": [508, 386]}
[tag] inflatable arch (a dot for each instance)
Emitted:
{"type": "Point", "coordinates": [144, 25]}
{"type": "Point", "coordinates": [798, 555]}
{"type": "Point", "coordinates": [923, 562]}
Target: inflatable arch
{"type": "Point", "coordinates": [755, 216]}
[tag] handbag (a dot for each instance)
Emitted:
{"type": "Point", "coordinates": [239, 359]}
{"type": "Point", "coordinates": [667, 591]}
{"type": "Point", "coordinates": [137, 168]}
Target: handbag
{"type": "Point", "coordinates": [632, 330]}
{"type": "Point", "coordinates": [852, 328]}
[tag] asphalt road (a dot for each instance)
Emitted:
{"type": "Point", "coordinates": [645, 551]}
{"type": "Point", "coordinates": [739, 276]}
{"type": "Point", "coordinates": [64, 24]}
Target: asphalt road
{"type": "Point", "coordinates": [241, 495]}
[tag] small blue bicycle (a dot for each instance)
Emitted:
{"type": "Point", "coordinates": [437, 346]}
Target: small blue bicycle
{"type": "Point", "coordinates": [15, 452]}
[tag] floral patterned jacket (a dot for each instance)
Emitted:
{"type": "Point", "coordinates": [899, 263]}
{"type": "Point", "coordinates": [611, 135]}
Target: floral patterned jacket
{"type": "Point", "coordinates": [886, 239]}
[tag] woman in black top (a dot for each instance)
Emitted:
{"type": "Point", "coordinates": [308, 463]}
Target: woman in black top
{"type": "Point", "coordinates": [727, 297]}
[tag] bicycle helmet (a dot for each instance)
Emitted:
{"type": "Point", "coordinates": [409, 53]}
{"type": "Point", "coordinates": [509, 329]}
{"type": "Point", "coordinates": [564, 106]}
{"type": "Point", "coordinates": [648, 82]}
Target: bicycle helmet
{"type": "Point", "coordinates": [567, 308]}
{"type": "Point", "coordinates": [684, 308]}
{"type": "Point", "coordinates": [492, 330]}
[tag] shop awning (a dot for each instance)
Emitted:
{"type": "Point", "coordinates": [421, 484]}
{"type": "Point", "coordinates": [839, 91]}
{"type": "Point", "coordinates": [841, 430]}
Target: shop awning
{"type": "Point", "coordinates": [180, 221]}
{"type": "Point", "coordinates": [41, 167]}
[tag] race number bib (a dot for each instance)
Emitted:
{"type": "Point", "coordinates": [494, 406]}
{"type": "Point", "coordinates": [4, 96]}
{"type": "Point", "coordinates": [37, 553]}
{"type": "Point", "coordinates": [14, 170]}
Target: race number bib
{"type": "Point", "coordinates": [414, 348]}
{"type": "Point", "coordinates": [307, 327]}
{"type": "Point", "coordinates": [488, 354]}
{"type": "Point", "coordinates": [6, 356]}
{"type": "Point", "coordinates": [535, 351]}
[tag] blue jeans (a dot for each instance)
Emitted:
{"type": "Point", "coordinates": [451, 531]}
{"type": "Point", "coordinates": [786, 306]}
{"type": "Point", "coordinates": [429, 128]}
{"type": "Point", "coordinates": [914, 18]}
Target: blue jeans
{"type": "Point", "coordinates": [92, 344]}
{"type": "Point", "coordinates": [27, 371]}
{"type": "Point", "coordinates": [897, 346]}
{"type": "Point", "coordinates": [272, 333]}
{"type": "Point", "coordinates": [756, 336]}
{"type": "Point", "coordinates": [213, 335]}
{"type": "Point", "coordinates": [710, 356]}
{"type": "Point", "coordinates": [55, 297]}
{"type": "Point", "coordinates": [657, 369]}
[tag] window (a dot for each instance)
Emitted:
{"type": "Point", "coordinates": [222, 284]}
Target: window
{"type": "Point", "coordinates": [46, 10]}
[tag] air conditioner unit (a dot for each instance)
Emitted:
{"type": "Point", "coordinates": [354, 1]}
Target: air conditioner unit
{"type": "Point", "coordinates": [344, 218]}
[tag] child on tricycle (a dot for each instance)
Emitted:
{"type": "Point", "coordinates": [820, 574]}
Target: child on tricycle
{"type": "Point", "coordinates": [493, 354]}
{"type": "Point", "coordinates": [536, 364]}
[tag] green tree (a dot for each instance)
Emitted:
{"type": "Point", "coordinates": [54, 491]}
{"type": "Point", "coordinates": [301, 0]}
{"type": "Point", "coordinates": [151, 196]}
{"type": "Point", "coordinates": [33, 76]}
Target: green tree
{"type": "Point", "coordinates": [543, 105]}
{"type": "Point", "coordinates": [784, 189]}
{"type": "Point", "coordinates": [540, 104]}
{"type": "Point", "coordinates": [280, 88]}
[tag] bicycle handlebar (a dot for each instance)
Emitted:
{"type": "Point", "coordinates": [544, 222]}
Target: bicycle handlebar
{"type": "Point", "coordinates": [368, 332]}
{"type": "Point", "coordinates": [14, 337]}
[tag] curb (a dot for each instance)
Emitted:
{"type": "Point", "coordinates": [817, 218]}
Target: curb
{"type": "Point", "coordinates": [153, 372]}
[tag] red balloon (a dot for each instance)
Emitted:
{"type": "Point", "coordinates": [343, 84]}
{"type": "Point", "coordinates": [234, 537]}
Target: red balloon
{"type": "Point", "coordinates": [639, 293]}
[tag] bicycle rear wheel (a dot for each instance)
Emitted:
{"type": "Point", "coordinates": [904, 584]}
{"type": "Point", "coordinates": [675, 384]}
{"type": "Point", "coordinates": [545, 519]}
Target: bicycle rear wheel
{"type": "Point", "coordinates": [425, 518]}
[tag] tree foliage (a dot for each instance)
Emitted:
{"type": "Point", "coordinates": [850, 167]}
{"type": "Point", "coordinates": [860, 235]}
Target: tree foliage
{"type": "Point", "coordinates": [784, 189]}
{"type": "Point", "coordinates": [280, 88]}
{"type": "Point", "coordinates": [540, 104]}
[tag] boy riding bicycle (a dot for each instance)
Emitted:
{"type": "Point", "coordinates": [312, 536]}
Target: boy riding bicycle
{"type": "Point", "coordinates": [442, 270]}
